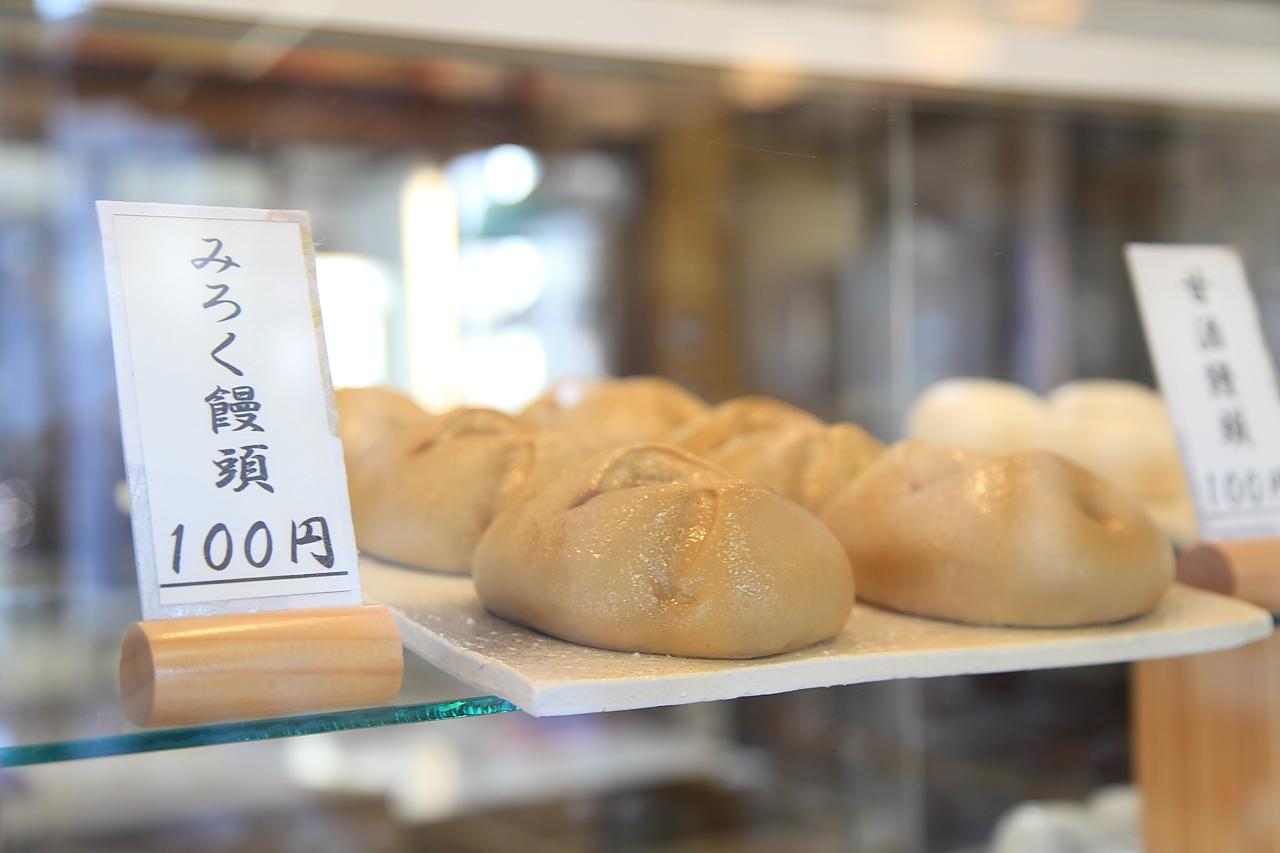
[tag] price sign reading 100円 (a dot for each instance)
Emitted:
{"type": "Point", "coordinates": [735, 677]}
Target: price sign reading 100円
{"type": "Point", "coordinates": [235, 467]}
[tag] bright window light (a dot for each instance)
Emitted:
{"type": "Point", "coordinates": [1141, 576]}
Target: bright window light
{"type": "Point", "coordinates": [506, 369]}
{"type": "Point", "coordinates": [355, 292]}
{"type": "Point", "coordinates": [511, 172]}
{"type": "Point", "coordinates": [59, 10]}
{"type": "Point", "coordinates": [429, 246]}
{"type": "Point", "coordinates": [502, 279]}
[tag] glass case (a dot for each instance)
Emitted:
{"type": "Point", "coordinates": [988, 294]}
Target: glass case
{"type": "Point", "coordinates": [833, 203]}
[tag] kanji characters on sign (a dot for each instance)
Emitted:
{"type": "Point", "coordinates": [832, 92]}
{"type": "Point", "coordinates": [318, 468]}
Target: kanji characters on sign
{"type": "Point", "coordinates": [1219, 374]}
{"type": "Point", "coordinates": [235, 409]}
{"type": "Point", "coordinates": [236, 404]}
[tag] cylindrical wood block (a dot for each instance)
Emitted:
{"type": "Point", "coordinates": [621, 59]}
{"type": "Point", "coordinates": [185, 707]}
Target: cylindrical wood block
{"type": "Point", "coordinates": [206, 669]}
{"type": "Point", "coordinates": [1246, 568]}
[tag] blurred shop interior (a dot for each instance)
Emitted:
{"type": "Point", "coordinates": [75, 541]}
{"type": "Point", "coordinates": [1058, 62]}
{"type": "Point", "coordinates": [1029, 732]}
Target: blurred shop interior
{"type": "Point", "coordinates": [493, 213]}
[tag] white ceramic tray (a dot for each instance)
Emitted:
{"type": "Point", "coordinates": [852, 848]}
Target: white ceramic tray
{"type": "Point", "coordinates": [442, 620]}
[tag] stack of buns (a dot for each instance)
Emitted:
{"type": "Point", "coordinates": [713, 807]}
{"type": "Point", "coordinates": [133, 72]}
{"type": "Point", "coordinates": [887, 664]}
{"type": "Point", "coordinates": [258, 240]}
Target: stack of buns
{"type": "Point", "coordinates": [627, 514]}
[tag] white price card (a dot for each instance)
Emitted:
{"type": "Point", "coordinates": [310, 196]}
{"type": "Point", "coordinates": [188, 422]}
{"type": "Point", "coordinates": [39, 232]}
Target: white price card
{"type": "Point", "coordinates": [236, 479]}
{"type": "Point", "coordinates": [1216, 374]}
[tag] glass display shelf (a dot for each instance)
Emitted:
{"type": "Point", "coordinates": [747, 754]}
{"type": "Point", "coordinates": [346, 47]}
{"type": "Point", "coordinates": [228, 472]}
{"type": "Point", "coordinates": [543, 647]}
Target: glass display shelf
{"type": "Point", "coordinates": [60, 701]}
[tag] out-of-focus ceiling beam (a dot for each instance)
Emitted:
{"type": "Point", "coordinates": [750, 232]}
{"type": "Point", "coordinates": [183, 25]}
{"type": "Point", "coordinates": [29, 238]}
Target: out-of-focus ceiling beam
{"type": "Point", "coordinates": [939, 45]}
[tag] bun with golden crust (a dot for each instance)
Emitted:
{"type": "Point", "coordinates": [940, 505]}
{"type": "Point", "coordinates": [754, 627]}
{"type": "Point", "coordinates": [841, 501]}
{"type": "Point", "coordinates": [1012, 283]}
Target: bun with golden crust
{"type": "Point", "coordinates": [1027, 539]}
{"type": "Point", "coordinates": [1119, 430]}
{"type": "Point", "coordinates": [601, 413]}
{"type": "Point", "coordinates": [1122, 431]}
{"type": "Point", "coordinates": [985, 415]}
{"type": "Point", "coordinates": [368, 416]}
{"type": "Point", "coordinates": [807, 464]}
{"type": "Point", "coordinates": [646, 548]}
{"type": "Point", "coordinates": [423, 492]}
{"type": "Point", "coordinates": [736, 418]}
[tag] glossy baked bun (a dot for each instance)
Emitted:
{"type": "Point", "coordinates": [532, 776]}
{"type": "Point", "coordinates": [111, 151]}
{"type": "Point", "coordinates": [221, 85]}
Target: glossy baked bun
{"type": "Point", "coordinates": [649, 549]}
{"type": "Point", "coordinates": [376, 426]}
{"type": "Point", "coordinates": [1121, 431]}
{"type": "Point", "coordinates": [736, 418]}
{"type": "Point", "coordinates": [424, 494]}
{"type": "Point", "coordinates": [986, 415]}
{"type": "Point", "coordinates": [368, 416]}
{"type": "Point", "coordinates": [808, 464]}
{"type": "Point", "coordinates": [601, 413]}
{"type": "Point", "coordinates": [1023, 539]}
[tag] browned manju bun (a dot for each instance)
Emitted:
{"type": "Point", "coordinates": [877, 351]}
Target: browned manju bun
{"type": "Point", "coordinates": [601, 413]}
{"type": "Point", "coordinates": [424, 491]}
{"type": "Point", "coordinates": [646, 548]}
{"type": "Point", "coordinates": [1026, 539]}
{"type": "Point", "coordinates": [736, 418]}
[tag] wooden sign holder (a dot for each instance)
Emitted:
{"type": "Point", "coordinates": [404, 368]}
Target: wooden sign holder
{"type": "Point", "coordinates": [238, 666]}
{"type": "Point", "coordinates": [1245, 568]}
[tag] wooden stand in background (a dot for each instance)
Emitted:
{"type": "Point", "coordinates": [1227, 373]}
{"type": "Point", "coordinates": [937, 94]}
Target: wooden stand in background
{"type": "Point", "coordinates": [209, 669]}
{"type": "Point", "coordinates": [1207, 728]}
{"type": "Point", "coordinates": [1207, 738]}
